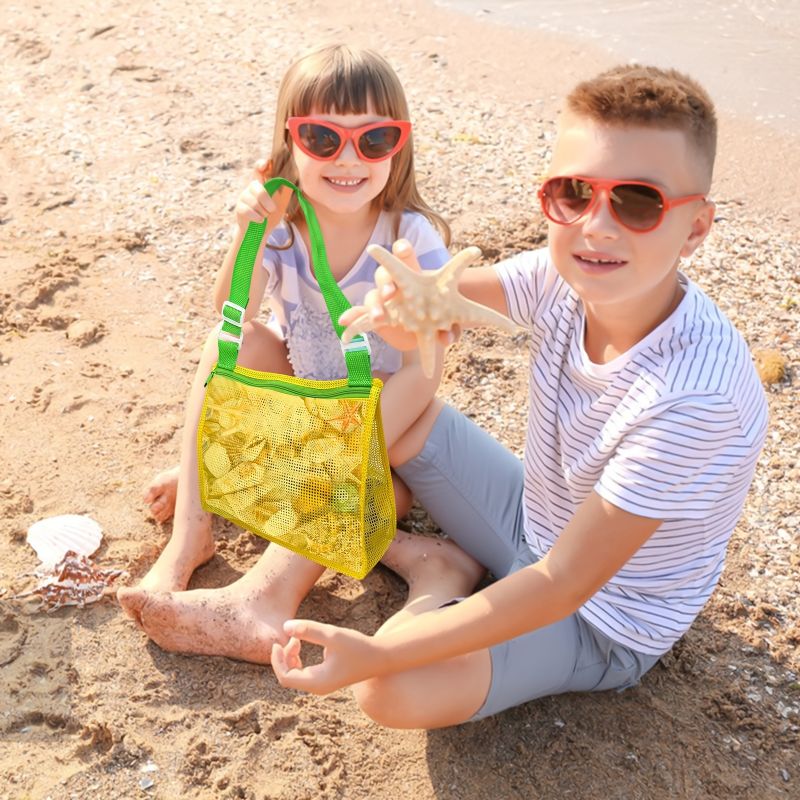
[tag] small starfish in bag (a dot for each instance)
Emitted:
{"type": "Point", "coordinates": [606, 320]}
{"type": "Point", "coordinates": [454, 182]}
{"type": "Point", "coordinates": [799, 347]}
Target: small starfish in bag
{"type": "Point", "coordinates": [73, 581]}
{"type": "Point", "coordinates": [429, 301]}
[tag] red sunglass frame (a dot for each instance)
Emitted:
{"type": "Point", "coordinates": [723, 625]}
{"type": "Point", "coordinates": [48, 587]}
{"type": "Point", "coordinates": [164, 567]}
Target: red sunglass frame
{"type": "Point", "coordinates": [346, 134]}
{"type": "Point", "coordinates": [606, 187]}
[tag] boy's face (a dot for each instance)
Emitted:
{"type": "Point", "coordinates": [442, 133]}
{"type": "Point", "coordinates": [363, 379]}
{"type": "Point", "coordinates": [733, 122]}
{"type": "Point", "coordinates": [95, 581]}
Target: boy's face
{"type": "Point", "coordinates": [636, 270]}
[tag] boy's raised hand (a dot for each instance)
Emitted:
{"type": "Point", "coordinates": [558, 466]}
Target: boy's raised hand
{"type": "Point", "coordinates": [385, 289]}
{"type": "Point", "coordinates": [348, 657]}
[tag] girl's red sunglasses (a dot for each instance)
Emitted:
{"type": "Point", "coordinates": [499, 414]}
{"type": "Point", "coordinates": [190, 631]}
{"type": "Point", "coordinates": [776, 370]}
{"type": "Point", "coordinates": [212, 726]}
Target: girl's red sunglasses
{"type": "Point", "coordinates": [324, 141]}
{"type": "Point", "coordinates": [637, 205]}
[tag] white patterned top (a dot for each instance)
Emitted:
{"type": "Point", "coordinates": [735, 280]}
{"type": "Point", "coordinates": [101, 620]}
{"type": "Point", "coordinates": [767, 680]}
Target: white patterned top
{"type": "Point", "coordinates": [299, 313]}
{"type": "Point", "coordinates": [670, 430]}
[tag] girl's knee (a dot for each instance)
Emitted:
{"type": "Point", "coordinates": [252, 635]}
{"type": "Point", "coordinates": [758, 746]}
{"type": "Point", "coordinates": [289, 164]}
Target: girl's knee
{"type": "Point", "coordinates": [403, 499]}
{"type": "Point", "coordinates": [263, 349]}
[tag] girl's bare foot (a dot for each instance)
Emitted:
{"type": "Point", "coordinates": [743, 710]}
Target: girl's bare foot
{"type": "Point", "coordinates": [173, 568]}
{"type": "Point", "coordinates": [231, 621]}
{"type": "Point", "coordinates": [161, 493]}
{"type": "Point", "coordinates": [432, 566]}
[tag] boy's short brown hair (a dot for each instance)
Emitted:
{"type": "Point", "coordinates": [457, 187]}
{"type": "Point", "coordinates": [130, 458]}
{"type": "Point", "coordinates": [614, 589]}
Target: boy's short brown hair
{"type": "Point", "coordinates": [633, 94]}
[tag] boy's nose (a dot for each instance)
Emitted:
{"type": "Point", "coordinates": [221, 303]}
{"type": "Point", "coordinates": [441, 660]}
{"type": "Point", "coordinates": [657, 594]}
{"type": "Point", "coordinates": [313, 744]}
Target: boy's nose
{"type": "Point", "coordinates": [600, 221]}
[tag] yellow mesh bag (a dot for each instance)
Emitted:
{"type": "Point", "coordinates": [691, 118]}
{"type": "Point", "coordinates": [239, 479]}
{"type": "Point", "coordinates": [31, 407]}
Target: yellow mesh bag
{"type": "Point", "coordinates": [300, 462]}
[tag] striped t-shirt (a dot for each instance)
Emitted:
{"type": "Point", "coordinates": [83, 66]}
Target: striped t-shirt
{"type": "Point", "coordinates": [670, 430]}
{"type": "Point", "coordinates": [298, 307]}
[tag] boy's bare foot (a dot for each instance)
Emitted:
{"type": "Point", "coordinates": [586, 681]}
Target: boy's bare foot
{"type": "Point", "coordinates": [231, 622]}
{"type": "Point", "coordinates": [161, 493]}
{"type": "Point", "coordinates": [429, 564]}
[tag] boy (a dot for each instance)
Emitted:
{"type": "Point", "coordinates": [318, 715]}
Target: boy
{"type": "Point", "coordinates": [646, 421]}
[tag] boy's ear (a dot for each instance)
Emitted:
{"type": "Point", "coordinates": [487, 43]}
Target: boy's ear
{"type": "Point", "coordinates": [701, 225]}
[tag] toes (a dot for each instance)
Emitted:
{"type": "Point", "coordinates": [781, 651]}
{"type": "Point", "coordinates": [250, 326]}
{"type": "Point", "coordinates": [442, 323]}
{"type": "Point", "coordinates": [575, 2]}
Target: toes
{"type": "Point", "coordinates": [132, 601]}
{"type": "Point", "coordinates": [157, 509]}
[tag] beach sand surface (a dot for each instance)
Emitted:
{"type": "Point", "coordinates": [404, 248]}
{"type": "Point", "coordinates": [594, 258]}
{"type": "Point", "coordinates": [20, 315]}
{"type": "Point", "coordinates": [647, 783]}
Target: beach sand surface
{"type": "Point", "coordinates": [128, 131]}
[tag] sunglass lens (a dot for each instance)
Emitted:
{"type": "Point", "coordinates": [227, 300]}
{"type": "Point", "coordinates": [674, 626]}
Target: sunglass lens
{"type": "Point", "coordinates": [638, 207]}
{"type": "Point", "coordinates": [319, 140]}
{"type": "Point", "coordinates": [379, 142]}
{"type": "Point", "coordinates": [565, 199]}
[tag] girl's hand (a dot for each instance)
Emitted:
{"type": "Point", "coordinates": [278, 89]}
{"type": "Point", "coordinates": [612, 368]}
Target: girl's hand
{"type": "Point", "coordinates": [254, 203]}
{"type": "Point", "coordinates": [348, 657]}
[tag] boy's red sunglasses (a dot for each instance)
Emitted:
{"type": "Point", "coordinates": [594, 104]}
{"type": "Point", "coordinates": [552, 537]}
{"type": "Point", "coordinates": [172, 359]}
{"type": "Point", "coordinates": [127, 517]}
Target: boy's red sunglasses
{"type": "Point", "coordinates": [324, 141]}
{"type": "Point", "coordinates": [637, 205]}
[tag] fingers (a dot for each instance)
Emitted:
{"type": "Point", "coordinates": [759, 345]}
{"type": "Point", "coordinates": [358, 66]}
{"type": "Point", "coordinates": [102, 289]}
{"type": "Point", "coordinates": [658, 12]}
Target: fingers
{"type": "Point", "coordinates": [307, 630]}
{"type": "Point", "coordinates": [262, 170]}
{"type": "Point", "coordinates": [254, 203]}
{"type": "Point", "coordinates": [278, 660]}
{"type": "Point", "coordinates": [293, 655]}
{"type": "Point", "coordinates": [448, 338]}
{"type": "Point", "coordinates": [403, 249]}
{"type": "Point", "coordinates": [290, 672]}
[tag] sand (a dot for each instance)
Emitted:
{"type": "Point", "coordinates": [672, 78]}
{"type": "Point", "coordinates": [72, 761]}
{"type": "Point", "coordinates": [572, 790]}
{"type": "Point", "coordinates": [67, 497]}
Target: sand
{"type": "Point", "coordinates": [128, 131]}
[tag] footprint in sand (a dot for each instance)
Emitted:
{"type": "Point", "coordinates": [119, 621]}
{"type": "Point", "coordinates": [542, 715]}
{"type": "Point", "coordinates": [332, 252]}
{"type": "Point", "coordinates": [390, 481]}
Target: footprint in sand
{"type": "Point", "coordinates": [13, 635]}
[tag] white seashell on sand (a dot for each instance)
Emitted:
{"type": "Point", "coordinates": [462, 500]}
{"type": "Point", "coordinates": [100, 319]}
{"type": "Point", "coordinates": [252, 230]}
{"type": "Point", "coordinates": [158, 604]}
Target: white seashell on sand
{"type": "Point", "coordinates": [53, 537]}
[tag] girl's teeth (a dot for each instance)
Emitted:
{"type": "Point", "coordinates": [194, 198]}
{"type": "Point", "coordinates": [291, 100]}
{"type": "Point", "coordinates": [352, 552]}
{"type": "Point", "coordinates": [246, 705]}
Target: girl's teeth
{"type": "Point", "coordinates": [342, 182]}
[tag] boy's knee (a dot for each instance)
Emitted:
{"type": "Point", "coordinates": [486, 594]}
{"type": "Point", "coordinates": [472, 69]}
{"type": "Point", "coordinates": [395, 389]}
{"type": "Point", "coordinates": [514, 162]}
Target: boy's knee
{"type": "Point", "coordinates": [383, 700]}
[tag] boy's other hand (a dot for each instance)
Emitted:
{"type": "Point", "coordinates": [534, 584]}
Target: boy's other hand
{"type": "Point", "coordinates": [348, 657]}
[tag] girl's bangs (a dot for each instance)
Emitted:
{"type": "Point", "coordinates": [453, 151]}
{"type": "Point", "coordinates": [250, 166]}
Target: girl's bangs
{"type": "Point", "coordinates": [344, 89]}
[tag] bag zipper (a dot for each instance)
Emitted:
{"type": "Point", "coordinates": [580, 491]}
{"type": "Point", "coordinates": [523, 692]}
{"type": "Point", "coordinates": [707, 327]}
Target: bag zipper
{"type": "Point", "coordinates": [302, 391]}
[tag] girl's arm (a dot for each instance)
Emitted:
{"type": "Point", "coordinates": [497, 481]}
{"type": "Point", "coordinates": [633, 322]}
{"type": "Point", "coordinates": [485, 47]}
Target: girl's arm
{"type": "Point", "coordinates": [258, 283]}
{"type": "Point", "coordinates": [253, 205]}
{"type": "Point", "coordinates": [596, 543]}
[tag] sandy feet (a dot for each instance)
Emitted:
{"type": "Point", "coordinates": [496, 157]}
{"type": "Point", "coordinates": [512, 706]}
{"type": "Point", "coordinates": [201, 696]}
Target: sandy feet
{"type": "Point", "coordinates": [161, 493]}
{"type": "Point", "coordinates": [176, 564]}
{"type": "Point", "coordinates": [231, 622]}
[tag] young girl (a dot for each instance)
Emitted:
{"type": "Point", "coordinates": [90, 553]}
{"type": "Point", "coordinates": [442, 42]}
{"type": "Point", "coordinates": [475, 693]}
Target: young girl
{"type": "Point", "coordinates": [342, 135]}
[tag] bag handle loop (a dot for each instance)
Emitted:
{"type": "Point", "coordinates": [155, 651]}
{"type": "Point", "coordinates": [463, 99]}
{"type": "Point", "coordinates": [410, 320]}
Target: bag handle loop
{"type": "Point", "coordinates": [356, 353]}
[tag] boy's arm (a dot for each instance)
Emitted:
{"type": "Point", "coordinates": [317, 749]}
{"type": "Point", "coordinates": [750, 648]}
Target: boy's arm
{"type": "Point", "coordinates": [595, 544]}
{"type": "Point", "coordinates": [482, 285]}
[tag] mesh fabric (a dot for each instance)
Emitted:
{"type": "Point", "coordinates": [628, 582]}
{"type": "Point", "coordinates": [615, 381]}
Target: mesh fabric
{"type": "Point", "coordinates": [299, 462]}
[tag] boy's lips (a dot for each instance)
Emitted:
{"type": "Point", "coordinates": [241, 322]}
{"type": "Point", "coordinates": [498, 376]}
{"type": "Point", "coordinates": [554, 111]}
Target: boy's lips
{"type": "Point", "coordinates": [598, 263]}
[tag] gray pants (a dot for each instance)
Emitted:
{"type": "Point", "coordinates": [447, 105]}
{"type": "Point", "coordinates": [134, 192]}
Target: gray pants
{"type": "Point", "coordinates": [472, 487]}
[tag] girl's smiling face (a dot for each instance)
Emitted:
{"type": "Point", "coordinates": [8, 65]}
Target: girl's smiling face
{"type": "Point", "coordinates": [345, 184]}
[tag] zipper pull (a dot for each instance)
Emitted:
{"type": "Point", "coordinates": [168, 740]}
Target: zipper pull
{"type": "Point", "coordinates": [210, 376]}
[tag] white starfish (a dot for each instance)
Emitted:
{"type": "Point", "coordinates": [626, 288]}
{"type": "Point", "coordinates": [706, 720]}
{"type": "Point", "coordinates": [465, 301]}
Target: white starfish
{"type": "Point", "coordinates": [429, 301]}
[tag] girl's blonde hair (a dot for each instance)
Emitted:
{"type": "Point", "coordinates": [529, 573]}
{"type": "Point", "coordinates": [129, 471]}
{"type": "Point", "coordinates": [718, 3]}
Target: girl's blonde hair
{"type": "Point", "coordinates": [346, 80]}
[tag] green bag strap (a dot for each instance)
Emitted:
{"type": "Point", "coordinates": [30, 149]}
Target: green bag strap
{"type": "Point", "coordinates": [356, 352]}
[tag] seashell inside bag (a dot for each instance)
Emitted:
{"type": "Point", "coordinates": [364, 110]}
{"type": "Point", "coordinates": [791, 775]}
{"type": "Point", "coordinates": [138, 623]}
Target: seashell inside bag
{"type": "Point", "coordinates": [300, 462]}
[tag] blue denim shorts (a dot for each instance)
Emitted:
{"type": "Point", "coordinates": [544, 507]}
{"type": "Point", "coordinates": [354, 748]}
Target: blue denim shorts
{"type": "Point", "coordinates": [472, 487]}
